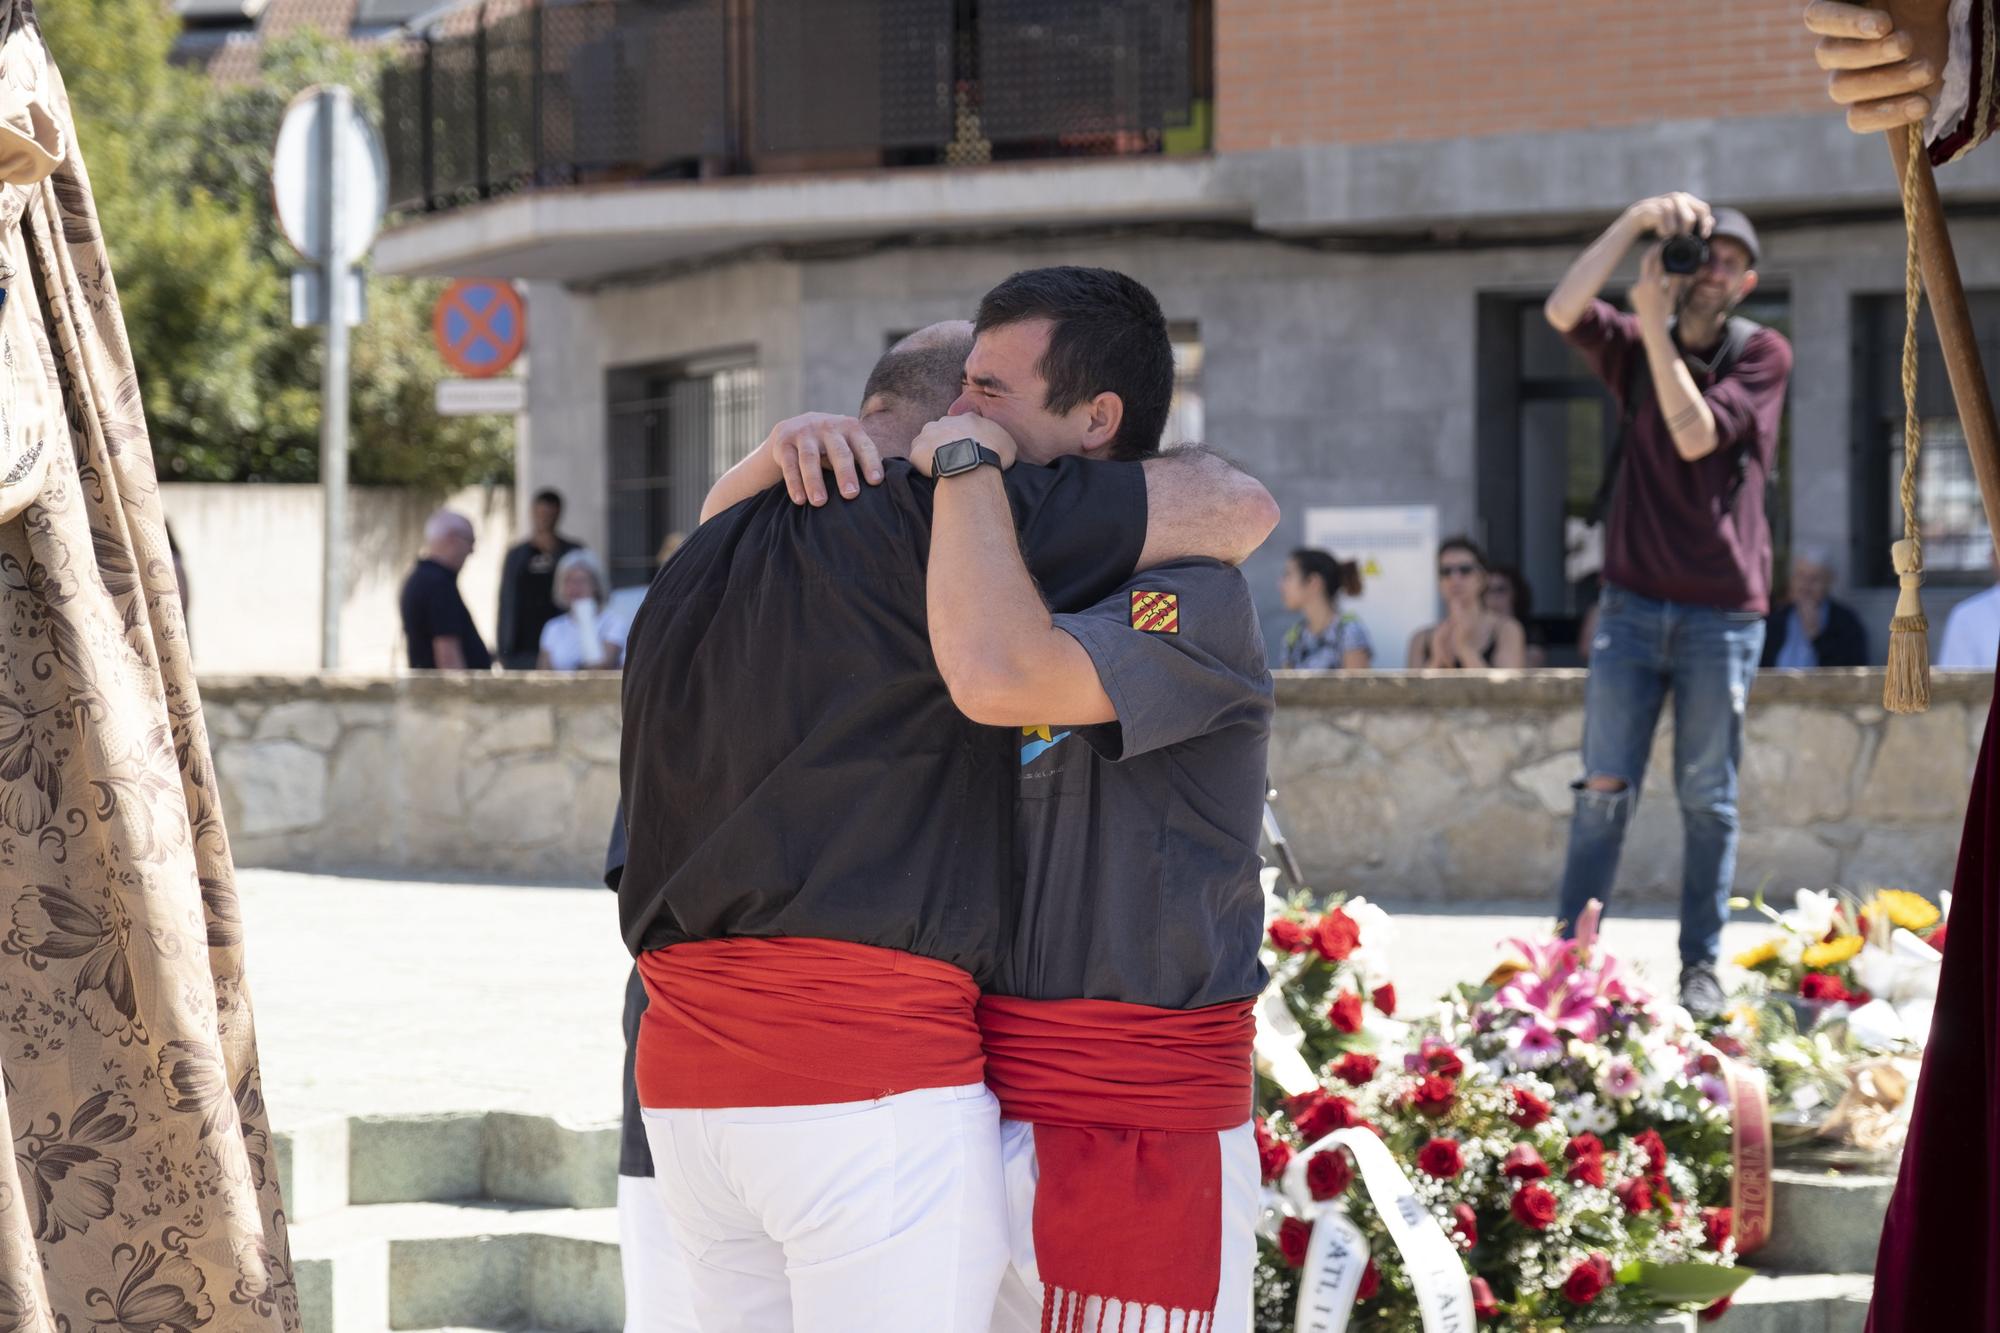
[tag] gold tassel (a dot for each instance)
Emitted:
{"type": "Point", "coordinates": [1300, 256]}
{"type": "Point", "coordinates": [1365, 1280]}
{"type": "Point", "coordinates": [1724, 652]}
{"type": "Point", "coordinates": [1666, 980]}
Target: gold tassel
{"type": "Point", "coordinates": [1907, 688]}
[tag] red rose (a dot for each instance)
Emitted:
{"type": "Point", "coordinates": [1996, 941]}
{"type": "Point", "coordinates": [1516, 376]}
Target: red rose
{"type": "Point", "coordinates": [1442, 1059]}
{"type": "Point", "coordinates": [1587, 1281]}
{"type": "Point", "coordinates": [1328, 1174]}
{"type": "Point", "coordinates": [1371, 1282]}
{"type": "Point", "coordinates": [1345, 1012]}
{"type": "Point", "coordinates": [1273, 1155]}
{"type": "Point", "coordinates": [1823, 988]}
{"type": "Point", "coordinates": [1635, 1194]}
{"type": "Point", "coordinates": [1936, 941]}
{"type": "Point", "coordinates": [1293, 1236]}
{"type": "Point", "coordinates": [1524, 1163]}
{"type": "Point", "coordinates": [1290, 936]}
{"type": "Point", "coordinates": [1714, 1312]}
{"type": "Point", "coordinates": [1336, 936]}
{"type": "Point", "coordinates": [1534, 1207]}
{"type": "Point", "coordinates": [1318, 1114]}
{"type": "Point", "coordinates": [1465, 1223]}
{"type": "Point", "coordinates": [1385, 994]}
{"type": "Point", "coordinates": [1717, 1225]}
{"type": "Point", "coordinates": [1355, 1068]}
{"type": "Point", "coordinates": [1440, 1158]}
{"type": "Point", "coordinates": [1529, 1110]}
{"type": "Point", "coordinates": [1727, 1044]}
{"type": "Point", "coordinates": [1587, 1171]}
{"type": "Point", "coordinates": [1434, 1094]}
{"type": "Point", "coordinates": [1483, 1303]}
{"type": "Point", "coordinates": [1655, 1149]}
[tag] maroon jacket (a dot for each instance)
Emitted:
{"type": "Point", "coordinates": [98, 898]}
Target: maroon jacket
{"type": "Point", "coordinates": [1676, 531]}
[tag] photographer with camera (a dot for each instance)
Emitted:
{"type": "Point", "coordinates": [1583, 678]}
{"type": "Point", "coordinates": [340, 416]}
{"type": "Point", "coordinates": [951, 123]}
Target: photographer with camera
{"type": "Point", "coordinates": [1687, 547]}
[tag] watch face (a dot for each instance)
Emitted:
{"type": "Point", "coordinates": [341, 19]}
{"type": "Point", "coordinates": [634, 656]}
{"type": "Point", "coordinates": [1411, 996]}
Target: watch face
{"type": "Point", "coordinates": [957, 456]}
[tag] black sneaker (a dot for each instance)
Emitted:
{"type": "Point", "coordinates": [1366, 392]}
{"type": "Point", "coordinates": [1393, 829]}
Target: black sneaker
{"type": "Point", "coordinates": [1701, 992]}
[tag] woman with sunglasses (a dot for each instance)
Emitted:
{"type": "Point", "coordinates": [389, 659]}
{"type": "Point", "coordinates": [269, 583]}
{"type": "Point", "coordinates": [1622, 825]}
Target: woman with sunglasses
{"type": "Point", "coordinates": [1470, 635]}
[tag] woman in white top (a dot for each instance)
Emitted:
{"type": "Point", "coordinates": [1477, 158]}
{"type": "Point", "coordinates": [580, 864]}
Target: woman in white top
{"type": "Point", "coordinates": [585, 637]}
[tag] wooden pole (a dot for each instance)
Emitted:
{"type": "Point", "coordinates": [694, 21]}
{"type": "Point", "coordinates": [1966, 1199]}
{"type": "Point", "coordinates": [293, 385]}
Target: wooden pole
{"type": "Point", "coordinates": [1955, 337]}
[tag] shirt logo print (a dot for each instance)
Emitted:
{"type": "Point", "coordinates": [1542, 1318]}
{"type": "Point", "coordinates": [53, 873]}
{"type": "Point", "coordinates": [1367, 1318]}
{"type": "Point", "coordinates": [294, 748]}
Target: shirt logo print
{"type": "Point", "coordinates": [1036, 742]}
{"type": "Point", "coordinates": [1156, 612]}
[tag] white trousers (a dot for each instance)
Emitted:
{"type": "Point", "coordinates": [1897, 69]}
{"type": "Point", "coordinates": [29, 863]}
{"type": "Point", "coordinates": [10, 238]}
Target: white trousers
{"type": "Point", "coordinates": [658, 1298]}
{"type": "Point", "coordinates": [860, 1217]}
{"type": "Point", "coordinates": [1019, 1309]}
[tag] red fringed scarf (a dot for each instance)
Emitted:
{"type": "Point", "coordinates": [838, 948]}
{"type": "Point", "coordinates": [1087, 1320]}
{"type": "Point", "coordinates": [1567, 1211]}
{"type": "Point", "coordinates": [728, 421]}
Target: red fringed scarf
{"type": "Point", "coordinates": [1126, 1101]}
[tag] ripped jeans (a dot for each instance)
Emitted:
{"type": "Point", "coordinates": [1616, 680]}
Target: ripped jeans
{"type": "Point", "coordinates": [1707, 658]}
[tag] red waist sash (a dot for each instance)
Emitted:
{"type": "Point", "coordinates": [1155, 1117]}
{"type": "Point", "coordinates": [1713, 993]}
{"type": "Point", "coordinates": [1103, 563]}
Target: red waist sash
{"type": "Point", "coordinates": [800, 1022]}
{"type": "Point", "coordinates": [1126, 1101]}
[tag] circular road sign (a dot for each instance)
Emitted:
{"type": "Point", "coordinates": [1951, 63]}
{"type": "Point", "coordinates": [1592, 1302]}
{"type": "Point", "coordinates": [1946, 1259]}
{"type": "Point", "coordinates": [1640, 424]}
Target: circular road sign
{"type": "Point", "coordinates": [299, 175]}
{"type": "Point", "coordinates": [480, 326]}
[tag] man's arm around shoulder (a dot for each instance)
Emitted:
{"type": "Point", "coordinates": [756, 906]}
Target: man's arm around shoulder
{"type": "Point", "coordinates": [1198, 504]}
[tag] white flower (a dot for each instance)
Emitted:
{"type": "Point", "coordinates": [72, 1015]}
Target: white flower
{"type": "Point", "coordinates": [1812, 916]}
{"type": "Point", "coordinates": [1792, 948]}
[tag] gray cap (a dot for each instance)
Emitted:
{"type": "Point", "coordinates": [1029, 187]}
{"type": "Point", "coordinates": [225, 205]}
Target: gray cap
{"type": "Point", "coordinates": [1730, 223]}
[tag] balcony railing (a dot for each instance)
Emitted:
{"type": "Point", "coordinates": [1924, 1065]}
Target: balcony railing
{"type": "Point", "coordinates": [547, 93]}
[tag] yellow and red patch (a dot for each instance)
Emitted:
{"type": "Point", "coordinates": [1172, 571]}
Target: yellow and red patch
{"type": "Point", "coordinates": [1156, 612]}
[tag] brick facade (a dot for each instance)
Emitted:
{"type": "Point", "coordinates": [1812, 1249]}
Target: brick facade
{"type": "Point", "coordinates": [1292, 72]}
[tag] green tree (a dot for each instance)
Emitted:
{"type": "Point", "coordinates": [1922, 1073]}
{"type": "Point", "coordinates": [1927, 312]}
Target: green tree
{"type": "Point", "coordinates": [181, 172]}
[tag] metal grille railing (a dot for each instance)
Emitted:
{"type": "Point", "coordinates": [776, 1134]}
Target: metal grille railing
{"type": "Point", "coordinates": [554, 92]}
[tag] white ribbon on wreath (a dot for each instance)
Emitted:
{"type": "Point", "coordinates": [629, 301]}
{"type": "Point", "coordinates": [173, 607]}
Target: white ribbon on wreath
{"type": "Point", "coordinates": [1337, 1256]}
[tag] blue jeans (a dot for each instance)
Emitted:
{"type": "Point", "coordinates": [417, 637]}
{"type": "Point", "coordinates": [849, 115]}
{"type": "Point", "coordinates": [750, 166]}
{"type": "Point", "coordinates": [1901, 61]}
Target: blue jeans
{"type": "Point", "coordinates": [1707, 658]}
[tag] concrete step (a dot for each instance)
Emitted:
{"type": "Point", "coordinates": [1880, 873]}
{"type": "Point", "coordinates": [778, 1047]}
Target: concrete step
{"type": "Point", "coordinates": [371, 1268]}
{"type": "Point", "coordinates": [1798, 1303]}
{"type": "Point", "coordinates": [329, 1164]}
{"type": "Point", "coordinates": [1824, 1223]}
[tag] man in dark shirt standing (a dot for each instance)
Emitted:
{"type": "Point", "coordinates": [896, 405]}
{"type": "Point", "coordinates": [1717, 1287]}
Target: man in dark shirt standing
{"type": "Point", "coordinates": [1687, 552]}
{"type": "Point", "coordinates": [528, 585]}
{"type": "Point", "coordinates": [437, 629]}
{"type": "Point", "coordinates": [1118, 1031]}
{"type": "Point", "coordinates": [819, 870]}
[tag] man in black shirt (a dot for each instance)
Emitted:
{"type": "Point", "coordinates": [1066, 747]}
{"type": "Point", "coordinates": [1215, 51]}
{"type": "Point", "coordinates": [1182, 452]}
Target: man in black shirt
{"type": "Point", "coordinates": [437, 629]}
{"type": "Point", "coordinates": [820, 867]}
{"type": "Point", "coordinates": [528, 585]}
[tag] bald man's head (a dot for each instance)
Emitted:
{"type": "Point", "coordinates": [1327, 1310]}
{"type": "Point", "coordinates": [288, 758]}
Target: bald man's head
{"type": "Point", "coordinates": [914, 384]}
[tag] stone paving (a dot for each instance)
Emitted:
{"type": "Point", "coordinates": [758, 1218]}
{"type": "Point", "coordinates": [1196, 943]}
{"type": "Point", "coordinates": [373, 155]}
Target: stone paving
{"type": "Point", "coordinates": [384, 997]}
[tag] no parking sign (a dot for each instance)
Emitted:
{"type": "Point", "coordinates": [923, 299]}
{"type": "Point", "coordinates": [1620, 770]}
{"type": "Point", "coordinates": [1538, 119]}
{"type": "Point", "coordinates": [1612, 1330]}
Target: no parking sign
{"type": "Point", "coordinates": [480, 326]}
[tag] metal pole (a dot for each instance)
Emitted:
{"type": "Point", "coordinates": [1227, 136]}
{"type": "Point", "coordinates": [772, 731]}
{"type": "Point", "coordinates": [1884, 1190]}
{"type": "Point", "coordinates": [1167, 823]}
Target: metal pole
{"type": "Point", "coordinates": [334, 112]}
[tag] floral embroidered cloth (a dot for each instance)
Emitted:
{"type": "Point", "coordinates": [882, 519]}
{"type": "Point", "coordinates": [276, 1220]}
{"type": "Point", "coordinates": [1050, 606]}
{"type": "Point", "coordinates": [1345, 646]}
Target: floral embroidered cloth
{"type": "Point", "coordinates": [142, 1192]}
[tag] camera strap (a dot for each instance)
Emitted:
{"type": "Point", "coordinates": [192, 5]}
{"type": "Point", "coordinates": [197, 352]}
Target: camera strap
{"type": "Point", "coordinates": [1736, 335]}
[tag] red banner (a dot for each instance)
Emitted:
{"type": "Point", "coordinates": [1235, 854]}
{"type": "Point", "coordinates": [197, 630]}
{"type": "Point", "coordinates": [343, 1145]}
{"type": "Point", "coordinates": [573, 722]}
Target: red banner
{"type": "Point", "coordinates": [1750, 1153]}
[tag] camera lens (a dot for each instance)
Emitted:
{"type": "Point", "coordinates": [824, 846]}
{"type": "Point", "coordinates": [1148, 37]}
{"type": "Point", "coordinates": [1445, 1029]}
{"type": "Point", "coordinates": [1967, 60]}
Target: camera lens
{"type": "Point", "coordinates": [1683, 255]}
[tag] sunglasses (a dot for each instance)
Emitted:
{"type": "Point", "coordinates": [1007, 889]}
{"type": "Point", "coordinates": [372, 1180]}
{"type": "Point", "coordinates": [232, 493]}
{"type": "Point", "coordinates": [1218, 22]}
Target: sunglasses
{"type": "Point", "coordinates": [1457, 571]}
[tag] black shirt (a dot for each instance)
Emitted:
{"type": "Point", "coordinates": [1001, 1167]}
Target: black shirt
{"type": "Point", "coordinates": [528, 600]}
{"type": "Point", "coordinates": [432, 609]}
{"type": "Point", "coordinates": [793, 764]}
{"type": "Point", "coordinates": [1138, 839]}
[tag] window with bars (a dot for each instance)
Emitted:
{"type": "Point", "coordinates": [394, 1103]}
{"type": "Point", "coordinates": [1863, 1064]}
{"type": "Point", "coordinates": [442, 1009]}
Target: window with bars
{"type": "Point", "coordinates": [673, 430]}
{"type": "Point", "coordinates": [1957, 542]}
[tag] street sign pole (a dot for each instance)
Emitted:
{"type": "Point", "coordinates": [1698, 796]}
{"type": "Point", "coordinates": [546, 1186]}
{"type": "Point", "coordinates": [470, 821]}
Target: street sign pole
{"type": "Point", "coordinates": [334, 102]}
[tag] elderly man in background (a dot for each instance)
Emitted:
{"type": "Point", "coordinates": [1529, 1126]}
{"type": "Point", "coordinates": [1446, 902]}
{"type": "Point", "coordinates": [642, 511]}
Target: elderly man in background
{"type": "Point", "coordinates": [1809, 628]}
{"type": "Point", "coordinates": [437, 628]}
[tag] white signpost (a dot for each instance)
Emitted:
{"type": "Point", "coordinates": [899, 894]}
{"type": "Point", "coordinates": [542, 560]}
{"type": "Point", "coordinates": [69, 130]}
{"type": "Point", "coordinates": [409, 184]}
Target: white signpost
{"type": "Point", "coordinates": [1396, 546]}
{"type": "Point", "coordinates": [477, 398]}
{"type": "Point", "coordinates": [330, 182]}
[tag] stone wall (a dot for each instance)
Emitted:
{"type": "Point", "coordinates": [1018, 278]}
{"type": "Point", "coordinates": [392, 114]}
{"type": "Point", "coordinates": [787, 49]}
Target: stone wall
{"type": "Point", "coordinates": [1414, 786]}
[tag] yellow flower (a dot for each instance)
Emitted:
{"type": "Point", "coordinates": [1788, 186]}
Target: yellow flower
{"type": "Point", "coordinates": [1767, 952]}
{"type": "Point", "coordinates": [1836, 951]}
{"type": "Point", "coordinates": [1911, 911]}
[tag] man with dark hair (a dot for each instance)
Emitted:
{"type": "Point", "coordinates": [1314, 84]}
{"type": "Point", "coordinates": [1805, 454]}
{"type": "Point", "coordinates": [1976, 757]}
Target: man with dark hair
{"type": "Point", "coordinates": [1072, 357]}
{"type": "Point", "coordinates": [1687, 549]}
{"type": "Point", "coordinates": [527, 584]}
{"type": "Point", "coordinates": [819, 868]}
